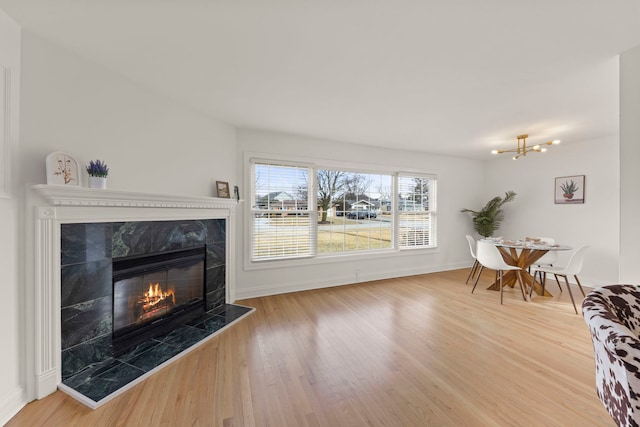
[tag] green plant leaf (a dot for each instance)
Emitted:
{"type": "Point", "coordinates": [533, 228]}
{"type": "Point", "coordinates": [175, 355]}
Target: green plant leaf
{"type": "Point", "coordinates": [487, 220]}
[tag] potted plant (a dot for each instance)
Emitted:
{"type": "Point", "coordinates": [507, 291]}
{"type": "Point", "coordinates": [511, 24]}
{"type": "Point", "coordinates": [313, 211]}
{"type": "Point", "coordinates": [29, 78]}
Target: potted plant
{"type": "Point", "coordinates": [568, 189]}
{"type": "Point", "coordinates": [98, 172]}
{"type": "Point", "coordinates": [487, 220]}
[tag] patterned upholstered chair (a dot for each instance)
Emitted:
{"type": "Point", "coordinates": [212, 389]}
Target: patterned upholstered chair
{"type": "Point", "coordinates": [613, 316]}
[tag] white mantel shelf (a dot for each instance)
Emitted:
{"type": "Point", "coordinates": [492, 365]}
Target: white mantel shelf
{"type": "Point", "coordinates": [59, 195]}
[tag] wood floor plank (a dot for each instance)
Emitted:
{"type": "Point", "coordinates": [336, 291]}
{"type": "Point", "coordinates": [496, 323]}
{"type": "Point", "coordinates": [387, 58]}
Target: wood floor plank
{"type": "Point", "coordinates": [412, 351]}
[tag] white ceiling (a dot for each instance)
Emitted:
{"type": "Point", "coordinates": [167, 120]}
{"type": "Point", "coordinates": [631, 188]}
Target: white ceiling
{"type": "Point", "coordinates": [452, 77]}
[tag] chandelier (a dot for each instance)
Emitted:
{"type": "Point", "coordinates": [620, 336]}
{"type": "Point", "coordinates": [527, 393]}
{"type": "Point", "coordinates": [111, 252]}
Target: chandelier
{"type": "Point", "coordinates": [522, 149]}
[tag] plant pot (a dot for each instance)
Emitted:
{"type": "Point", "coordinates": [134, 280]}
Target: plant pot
{"type": "Point", "coordinates": [99, 182]}
{"type": "Point", "coordinates": [568, 196]}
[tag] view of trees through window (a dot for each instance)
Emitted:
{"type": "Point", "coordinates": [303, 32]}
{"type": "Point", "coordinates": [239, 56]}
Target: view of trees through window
{"type": "Point", "coordinates": [352, 211]}
{"type": "Point", "coordinates": [355, 212]}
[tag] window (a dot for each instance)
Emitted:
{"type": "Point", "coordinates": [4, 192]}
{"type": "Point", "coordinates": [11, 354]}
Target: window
{"type": "Point", "coordinates": [416, 211]}
{"type": "Point", "coordinates": [282, 220]}
{"type": "Point", "coordinates": [352, 217]}
{"type": "Point", "coordinates": [301, 211]}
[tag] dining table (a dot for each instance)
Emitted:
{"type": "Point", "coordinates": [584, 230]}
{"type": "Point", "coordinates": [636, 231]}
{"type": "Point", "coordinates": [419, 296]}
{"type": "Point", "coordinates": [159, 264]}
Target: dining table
{"type": "Point", "coordinates": [523, 253]}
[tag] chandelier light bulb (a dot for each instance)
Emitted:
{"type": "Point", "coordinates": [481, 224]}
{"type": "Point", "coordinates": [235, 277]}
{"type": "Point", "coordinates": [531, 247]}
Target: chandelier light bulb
{"type": "Point", "coordinates": [522, 149]}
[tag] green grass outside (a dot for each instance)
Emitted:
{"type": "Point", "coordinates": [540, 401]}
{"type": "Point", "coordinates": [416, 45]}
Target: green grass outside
{"type": "Point", "coordinates": [339, 241]}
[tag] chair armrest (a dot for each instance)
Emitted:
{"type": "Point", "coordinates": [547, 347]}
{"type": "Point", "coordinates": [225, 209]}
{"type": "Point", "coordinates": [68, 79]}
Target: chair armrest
{"type": "Point", "coordinates": [625, 347]}
{"type": "Point", "coordinates": [616, 337]}
{"type": "Point", "coordinates": [612, 314]}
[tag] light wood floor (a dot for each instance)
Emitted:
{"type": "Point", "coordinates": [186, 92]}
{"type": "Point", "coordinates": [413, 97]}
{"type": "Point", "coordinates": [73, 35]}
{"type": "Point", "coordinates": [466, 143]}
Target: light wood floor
{"type": "Point", "coordinates": [415, 351]}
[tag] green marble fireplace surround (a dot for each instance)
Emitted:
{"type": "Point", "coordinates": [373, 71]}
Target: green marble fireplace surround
{"type": "Point", "coordinates": [87, 253]}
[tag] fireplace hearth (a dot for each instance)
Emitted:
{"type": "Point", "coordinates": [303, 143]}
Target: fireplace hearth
{"type": "Point", "coordinates": [155, 292]}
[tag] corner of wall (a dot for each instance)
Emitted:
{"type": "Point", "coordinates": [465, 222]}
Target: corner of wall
{"type": "Point", "coordinates": [11, 403]}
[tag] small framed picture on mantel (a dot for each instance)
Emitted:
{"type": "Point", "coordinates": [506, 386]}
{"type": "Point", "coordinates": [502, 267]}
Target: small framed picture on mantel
{"type": "Point", "coordinates": [569, 190]}
{"type": "Point", "coordinates": [222, 189]}
{"type": "Point", "coordinates": [62, 169]}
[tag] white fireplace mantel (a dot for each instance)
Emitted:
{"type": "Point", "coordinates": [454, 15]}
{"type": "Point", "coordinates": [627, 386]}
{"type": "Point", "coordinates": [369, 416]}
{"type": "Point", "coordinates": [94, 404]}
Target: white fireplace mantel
{"type": "Point", "coordinates": [59, 195]}
{"type": "Point", "coordinates": [55, 205]}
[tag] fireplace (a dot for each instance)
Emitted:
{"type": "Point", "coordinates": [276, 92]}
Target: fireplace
{"type": "Point", "coordinates": [155, 292]}
{"type": "Point", "coordinates": [76, 236]}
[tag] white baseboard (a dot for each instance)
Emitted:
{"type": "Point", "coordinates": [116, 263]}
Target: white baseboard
{"type": "Point", "coordinates": [587, 282]}
{"type": "Point", "coordinates": [328, 282]}
{"type": "Point", "coordinates": [11, 404]}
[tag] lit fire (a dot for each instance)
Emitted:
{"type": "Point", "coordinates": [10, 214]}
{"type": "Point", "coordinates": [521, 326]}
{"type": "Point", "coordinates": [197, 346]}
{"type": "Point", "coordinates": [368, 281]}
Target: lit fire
{"type": "Point", "coordinates": [155, 297]}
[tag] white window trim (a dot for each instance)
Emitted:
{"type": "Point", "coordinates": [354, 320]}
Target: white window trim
{"type": "Point", "coordinates": [433, 183]}
{"type": "Point", "coordinates": [332, 164]}
{"type": "Point", "coordinates": [312, 201]}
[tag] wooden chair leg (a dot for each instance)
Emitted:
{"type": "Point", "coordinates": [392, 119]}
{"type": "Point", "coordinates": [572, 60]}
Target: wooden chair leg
{"type": "Point", "coordinates": [533, 282]}
{"type": "Point", "coordinates": [470, 272]}
{"type": "Point", "coordinates": [558, 282]}
{"type": "Point", "coordinates": [580, 286]}
{"type": "Point", "coordinates": [542, 277]}
{"type": "Point", "coordinates": [500, 286]}
{"type": "Point", "coordinates": [556, 277]}
{"type": "Point", "coordinates": [473, 270]}
{"type": "Point", "coordinates": [477, 278]}
{"type": "Point", "coordinates": [566, 280]}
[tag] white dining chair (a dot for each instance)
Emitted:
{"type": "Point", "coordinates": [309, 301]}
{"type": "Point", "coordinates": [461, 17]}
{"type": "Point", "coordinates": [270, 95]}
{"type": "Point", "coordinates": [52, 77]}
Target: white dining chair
{"type": "Point", "coordinates": [476, 265]}
{"type": "Point", "coordinates": [573, 267]}
{"type": "Point", "coordinates": [489, 256]}
{"type": "Point", "coordinates": [548, 259]}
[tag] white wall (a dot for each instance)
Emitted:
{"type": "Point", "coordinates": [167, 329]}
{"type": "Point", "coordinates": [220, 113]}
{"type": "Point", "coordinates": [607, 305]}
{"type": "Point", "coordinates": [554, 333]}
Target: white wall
{"type": "Point", "coordinates": [150, 143]}
{"type": "Point", "coordinates": [629, 169]}
{"type": "Point", "coordinates": [534, 213]}
{"type": "Point", "coordinates": [459, 185]}
{"type": "Point", "coordinates": [12, 393]}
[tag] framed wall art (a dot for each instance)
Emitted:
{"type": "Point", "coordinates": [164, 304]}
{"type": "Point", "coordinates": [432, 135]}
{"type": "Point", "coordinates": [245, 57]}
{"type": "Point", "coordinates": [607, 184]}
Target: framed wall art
{"type": "Point", "coordinates": [222, 189]}
{"type": "Point", "coordinates": [62, 169]}
{"type": "Point", "coordinates": [569, 190]}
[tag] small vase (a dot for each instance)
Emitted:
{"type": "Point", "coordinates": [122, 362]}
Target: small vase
{"type": "Point", "coordinates": [99, 182]}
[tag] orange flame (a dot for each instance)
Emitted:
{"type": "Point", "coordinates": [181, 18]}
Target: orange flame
{"type": "Point", "coordinates": [155, 294]}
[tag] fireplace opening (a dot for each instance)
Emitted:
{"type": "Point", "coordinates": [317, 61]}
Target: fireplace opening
{"type": "Point", "coordinates": [154, 293]}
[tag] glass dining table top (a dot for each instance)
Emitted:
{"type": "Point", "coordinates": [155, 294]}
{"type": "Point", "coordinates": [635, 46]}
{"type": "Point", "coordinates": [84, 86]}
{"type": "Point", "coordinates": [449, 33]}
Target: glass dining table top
{"type": "Point", "coordinates": [528, 244]}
